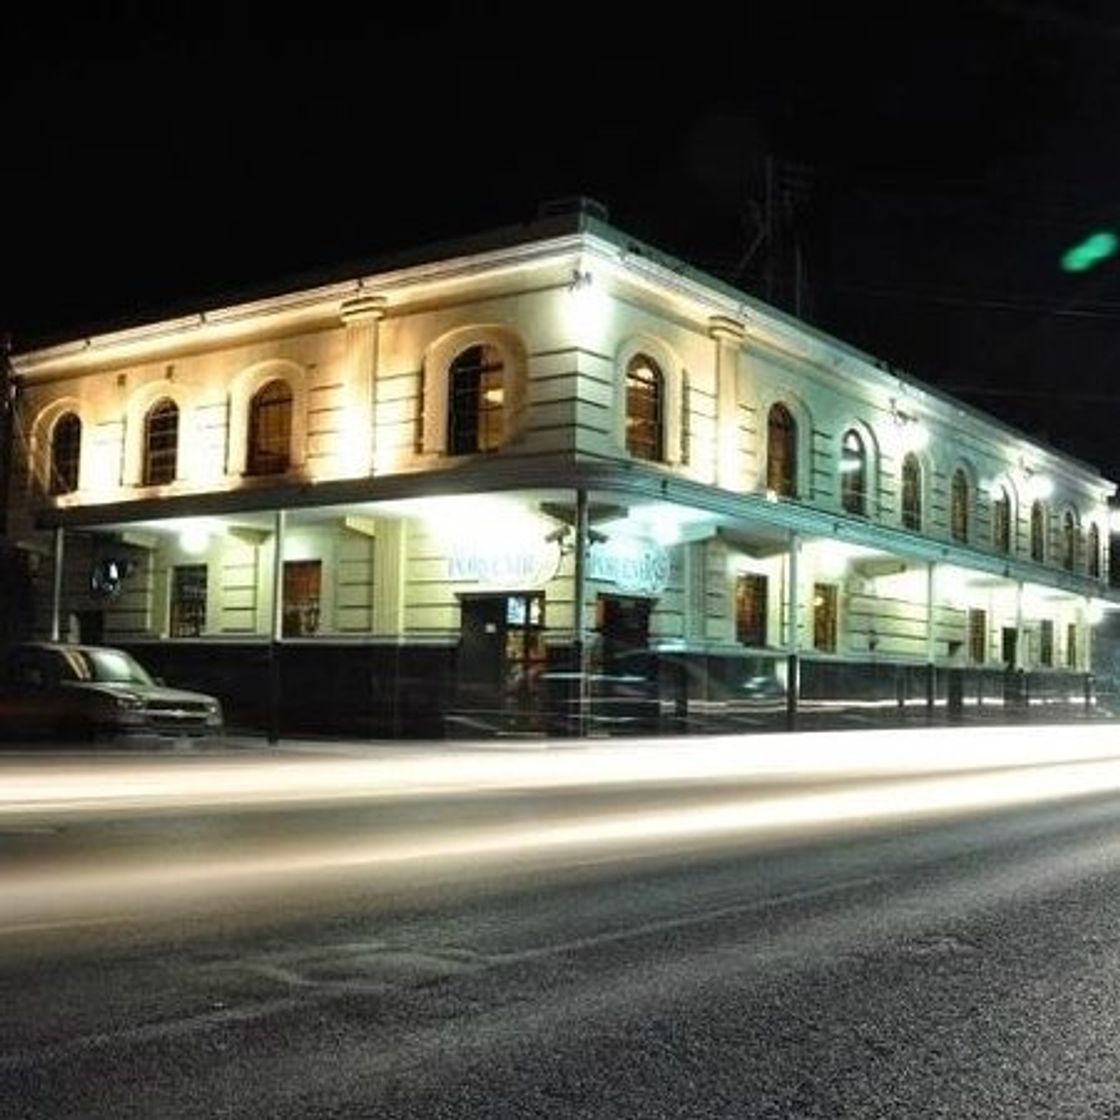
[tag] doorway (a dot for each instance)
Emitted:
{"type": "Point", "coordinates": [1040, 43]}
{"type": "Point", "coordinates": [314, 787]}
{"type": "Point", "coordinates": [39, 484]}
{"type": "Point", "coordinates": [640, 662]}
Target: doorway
{"type": "Point", "coordinates": [501, 653]}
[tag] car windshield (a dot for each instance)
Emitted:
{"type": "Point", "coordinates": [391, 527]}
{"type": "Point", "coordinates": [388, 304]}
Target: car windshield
{"type": "Point", "coordinates": [107, 666]}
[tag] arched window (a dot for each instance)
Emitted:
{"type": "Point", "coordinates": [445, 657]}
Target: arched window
{"type": "Point", "coordinates": [958, 506]}
{"type": "Point", "coordinates": [1093, 551]}
{"type": "Point", "coordinates": [1069, 541]}
{"type": "Point", "coordinates": [270, 429]}
{"type": "Point", "coordinates": [853, 473]}
{"type": "Point", "coordinates": [911, 492]}
{"type": "Point", "coordinates": [781, 452]}
{"type": "Point", "coordinates": [66, 454]}
{"type": "Point", "coordinates": [1038, 532]}
{"type": "Point", "coordinates": [161, 443]}
{"type": "Point", "coordinates": [645, 409]}
{"type": "Point", "coordinates": [475, 401]}
{"type": "Point", "coordinates": [1001, 519]}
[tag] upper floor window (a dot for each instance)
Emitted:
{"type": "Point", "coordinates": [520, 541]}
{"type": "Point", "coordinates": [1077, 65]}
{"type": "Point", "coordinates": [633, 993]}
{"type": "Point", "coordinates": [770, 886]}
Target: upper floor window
{"type": "Point", "coordinates": [853, 473]}
{"type": "Point", "coordinates": [911, 492]}
{"type": "Point", "coordinates": [645, 409]}
{"type": "Point", "coordinates": [1093, 550]}
{"type": "Point", "coordinates": [1069, 541]}
{"type": "Point", "coordinates": [781, 452]}
{"type": "Point", "coordinates": [161, 443]}
{"type": "Point", "coordinates": [1038, 531]}
{"type": "Point", "coordinates": [66, 454]}
{"type": "Point", "coordinates": [270, 429]}
{"type": "Point", "coordinates": [958, 506]}
{"type": "Point", "coordinates": [1001, 519]}
{"type": "Point", "coordinates": [476, 401]}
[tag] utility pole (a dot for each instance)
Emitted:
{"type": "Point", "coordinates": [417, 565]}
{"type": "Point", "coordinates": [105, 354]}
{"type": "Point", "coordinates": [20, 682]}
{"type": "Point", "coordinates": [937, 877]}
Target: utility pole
{"type": "Point", "coordinates": [7, 430]}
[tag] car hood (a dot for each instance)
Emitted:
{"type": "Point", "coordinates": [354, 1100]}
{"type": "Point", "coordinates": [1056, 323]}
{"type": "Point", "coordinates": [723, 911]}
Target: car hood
{"type": "Point", "coordinates": [145, 692]}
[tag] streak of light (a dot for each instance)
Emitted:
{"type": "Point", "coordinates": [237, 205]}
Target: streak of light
{"type": "Point", "coordinates": [431, 852]}
{"type": "Point", "coordinates": [186, 782]}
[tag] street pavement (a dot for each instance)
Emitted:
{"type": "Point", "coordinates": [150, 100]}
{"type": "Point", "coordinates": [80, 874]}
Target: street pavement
{"type": "Point", "coordinates": [934, 934]}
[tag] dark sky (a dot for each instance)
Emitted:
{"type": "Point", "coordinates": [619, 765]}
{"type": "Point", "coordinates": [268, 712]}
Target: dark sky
{"type": "Point", "coordinates": [928, 166]}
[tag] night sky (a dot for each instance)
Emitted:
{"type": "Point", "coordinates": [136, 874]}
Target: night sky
{"type": "Point", "coordinates": [928, 167]}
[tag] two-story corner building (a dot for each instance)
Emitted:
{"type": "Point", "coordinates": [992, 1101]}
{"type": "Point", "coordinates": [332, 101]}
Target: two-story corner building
{"type": "Point", "coordinates": [549, 478]}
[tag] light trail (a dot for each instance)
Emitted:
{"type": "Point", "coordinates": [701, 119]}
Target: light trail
{"type": "Point", "coordinates": [991, 770]}
{"type": "Point", "coordinates": [181, 783]}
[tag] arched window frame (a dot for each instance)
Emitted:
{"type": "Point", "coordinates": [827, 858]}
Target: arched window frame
{"type": "Point", "coordinates": [783, 457]}
{"type": "Point", "coordinates": [433, 436]}
{"type": "Point", "coordinates": [854, 473]}
{"type": "Point", "coordinates": [243, 389]}
{"type": "Point", "coordinates": [140, 404]}
{"type": "Point", "coordinates": [161, 438]}
{"type": "Point", "coordinates": [911, 496]}
{"type": "Point", "coordinates": [268, 439]}
{"type": "Point", "coordinates": [476, 404]}
{"type": "Point", "coordinates": [1038, 531]}
{"type": "Point", "coordinates": [1093, 551]}
{"type": "Point", "coordinates": [645, 409]}
{"type": "Point", "coordinates": [64, 461]}
{"type": "Point", "coordinates": [1002, 518]}
{"type": "Point", "coordinates": [1069, 539]}
{"type": "Point", "coordinates": [960, 503]}
{"type": "Point", "coordinates": [655, 352]}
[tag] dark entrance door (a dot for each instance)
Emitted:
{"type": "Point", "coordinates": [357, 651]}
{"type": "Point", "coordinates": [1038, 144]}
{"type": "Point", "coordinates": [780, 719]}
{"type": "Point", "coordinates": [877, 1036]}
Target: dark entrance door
{"type": "Point", "coordinates": [625, 690]}
{"type": "Point", "coordinates": [501, 655]}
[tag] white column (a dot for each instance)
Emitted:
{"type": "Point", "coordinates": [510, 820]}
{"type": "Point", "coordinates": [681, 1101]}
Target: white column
{"type": "Point", "coordinates": [361, 315]}
{"type": "Point", "coordinates": [277, 627]}
{"type": "Point", "coordinates": [728, 335]}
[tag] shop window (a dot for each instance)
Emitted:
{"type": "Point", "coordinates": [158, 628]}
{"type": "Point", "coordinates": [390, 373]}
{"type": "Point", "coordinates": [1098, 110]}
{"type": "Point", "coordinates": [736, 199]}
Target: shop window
{"type": "Point", "coordinates": [824, 617]}
{"type": "Point", "coordinates": [977, 636]}
{"type": "Point", "coordinates": [1071, 645]}
{"type": "Point", "coordinates": [958, 506]}
{"type": "Point", "coordinates": [750, 608]}
{"type": "Point", "coordinates": [1001, 520]}
{"type": "Point", "coordinates": [476, 401]}
{"type": "Point", "coordinates": [1069, 541]}
{"type": "Point", "coordinates": [188, 601]}
{"type": "Point", "coordinates": [1093, 552]}
{"type": "Point", "coordinates": [302, 591]}
{"type": "Point", "coordinates": [161, 443]}
{"type": "Point", "coordinates": [270, 429]}
{"type": "Point", "coordinates": [781, 452]}
{"type": "Point", "coordinates": [1038, 532]}
{"type": "Point", "coordinates": [911, 493]}
{"type": "Point", "coordinates": [853, 474]}
{"type": "Point", "coordinates": [645, 409]}
{"type": "Point", "coordinates": [66, 454]}
{"type": "Point", "coordinates": [1046, 642]}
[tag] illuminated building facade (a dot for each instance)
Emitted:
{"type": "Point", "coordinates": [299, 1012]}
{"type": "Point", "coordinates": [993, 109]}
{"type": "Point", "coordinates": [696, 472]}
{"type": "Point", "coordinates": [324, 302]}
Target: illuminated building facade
{"type": "Point", "coordinates": [549, 479]}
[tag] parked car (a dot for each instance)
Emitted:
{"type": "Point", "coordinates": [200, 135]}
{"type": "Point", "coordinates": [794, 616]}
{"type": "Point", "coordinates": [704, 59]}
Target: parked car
{"type": "Point", "coordinates": [81, 692]}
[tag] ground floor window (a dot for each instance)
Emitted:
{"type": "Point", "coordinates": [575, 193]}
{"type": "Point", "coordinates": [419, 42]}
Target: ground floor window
{"type": "Point", "coordinates": [188, 601]}
{"type": "Point", "coordinates": [1046, 642]}
{"type": "Point", "coordinates": [1071, 646]}
{"type": "Point", "coordinates": [750, 609]}
{"type": "Point", "coordinates": [303, 582]}
{"type": "Point", "coordinates": [977, 636]}
{"type": "Point", "coordinates": [824, 616]}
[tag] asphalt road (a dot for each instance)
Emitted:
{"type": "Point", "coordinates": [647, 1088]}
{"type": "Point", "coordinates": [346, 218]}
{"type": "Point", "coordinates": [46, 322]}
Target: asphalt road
{"type": "Point", "coordinates": [960, 965]}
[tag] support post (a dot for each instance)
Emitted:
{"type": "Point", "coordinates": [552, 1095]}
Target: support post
{"type": "Point", "coordinates": [931, 644]}
{"type": "Point", "coordinates": [276, 628]}
{"type": "Point", "coordinates": [56, 583]}
{"type": "Point", "coordinates": [580, 609]}
{"type": "Point", "coordinates": [793, 665]}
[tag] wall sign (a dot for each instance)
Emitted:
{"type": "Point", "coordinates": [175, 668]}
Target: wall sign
{"type": "Point", "coordinates": [632, 565]}
{"type": "Point", "coordinates": [511, 566]}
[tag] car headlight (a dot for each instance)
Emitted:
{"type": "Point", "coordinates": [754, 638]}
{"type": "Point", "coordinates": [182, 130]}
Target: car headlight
{"type": "Point", "coordinates": [127, 702]}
